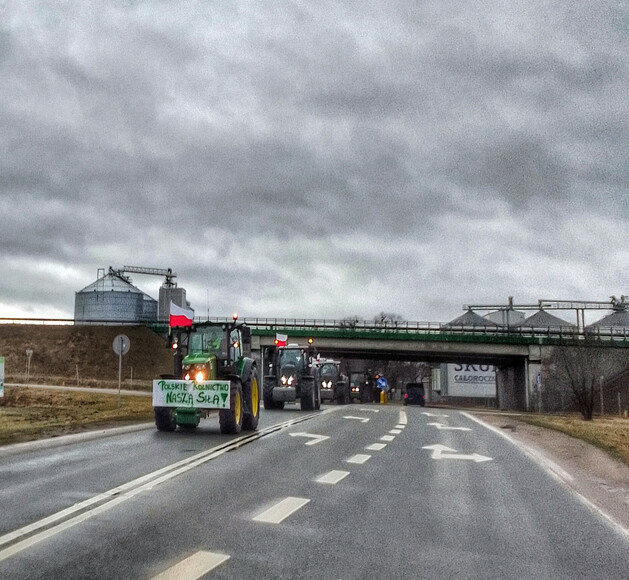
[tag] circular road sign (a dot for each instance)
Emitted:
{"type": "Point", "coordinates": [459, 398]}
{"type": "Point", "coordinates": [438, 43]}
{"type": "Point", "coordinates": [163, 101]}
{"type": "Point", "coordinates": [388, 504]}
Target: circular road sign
{"type": "Point", "coordinates": [121, 344]}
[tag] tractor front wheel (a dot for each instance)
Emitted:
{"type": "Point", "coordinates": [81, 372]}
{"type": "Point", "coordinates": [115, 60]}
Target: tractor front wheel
{"type": "Point", "coordinates": [165, 419]}
{"type": "Point", "coordinates": [230, 419]}
{"type": "Point", "coordinates": [252, 400]}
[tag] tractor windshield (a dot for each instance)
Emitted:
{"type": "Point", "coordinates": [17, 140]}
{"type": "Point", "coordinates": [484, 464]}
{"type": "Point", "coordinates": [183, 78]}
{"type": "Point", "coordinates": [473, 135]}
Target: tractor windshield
{"type": "Point", "coordinates": [328, 369]}
{"type": "Point", "coordinates": [291, 356]}
{"type": "Point", "coordinates": [210, 339]}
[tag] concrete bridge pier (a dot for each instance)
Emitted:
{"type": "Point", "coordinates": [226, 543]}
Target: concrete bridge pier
{"type": "Point", "coordinates": [512, 387]}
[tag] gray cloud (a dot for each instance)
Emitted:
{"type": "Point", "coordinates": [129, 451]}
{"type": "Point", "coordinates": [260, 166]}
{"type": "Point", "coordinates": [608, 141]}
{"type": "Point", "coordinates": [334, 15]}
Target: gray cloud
{"type": "Point", "coordinates": [315, 160]}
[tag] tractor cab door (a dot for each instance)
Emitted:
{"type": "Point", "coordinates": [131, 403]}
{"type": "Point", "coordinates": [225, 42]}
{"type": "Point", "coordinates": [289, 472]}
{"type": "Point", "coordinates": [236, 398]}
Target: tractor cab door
{"type": "Point", "coordinates": [235, 345]}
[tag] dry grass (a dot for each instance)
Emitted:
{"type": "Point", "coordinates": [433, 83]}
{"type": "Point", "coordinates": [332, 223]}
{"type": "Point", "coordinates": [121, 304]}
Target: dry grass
{"type": "Point", "coordinates": [28, 414]}
{"type": "Point", "coordinates": [609, 433]}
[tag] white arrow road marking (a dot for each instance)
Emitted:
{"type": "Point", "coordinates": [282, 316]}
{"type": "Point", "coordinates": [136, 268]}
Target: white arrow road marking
{"type": "Point", "coordinates": [447, 428]}
{"type": "Point", "coordinates": [280, 511]}
{"type": "Point", "coordinates": [361, 419]}
{"type": "Point", "coordinates": [193, 567]}
{"type": "Point", "coordinates": [376, 446]}
{"type": "Point", "coordinates": [443, 452]}
{"type": "Point", "coordinates": [434, 415]}
{"type": "Point", "coordinates": [315, 438]}
{"type": "Point", "coordinates": [333, 477]}
{"type": "Point", "coordinates": [387, 438]}
{"type": "Point", "coordinates": [358, 458]}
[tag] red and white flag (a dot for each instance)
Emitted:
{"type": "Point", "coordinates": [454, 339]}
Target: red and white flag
{"type": "Point", "coordinates": [280, 339]}
{"type": "Point", "coordinates": [180, 316]}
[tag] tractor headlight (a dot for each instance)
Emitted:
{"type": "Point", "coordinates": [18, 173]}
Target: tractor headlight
{"type": "Point", "coordinates": [199, 376]}
{"type": "Point", "coordinates": [287, 380]}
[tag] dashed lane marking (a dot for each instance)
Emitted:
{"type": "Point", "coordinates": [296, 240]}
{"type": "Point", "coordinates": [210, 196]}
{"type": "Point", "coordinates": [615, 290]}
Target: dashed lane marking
{"type": "Point", "coordinates": [387, 438]}
{"type": "Point", "coordinates": [403, 419]}
{"type": "Point", "coordinates": [376, 446]}
{"type": "Point", "coordinates": [193, 567]}
{"type": "Point", "coordinates": [359, 458]}
{"type": "Point", "coordinates": [333, 477]}
{"type": "Point", "coordinates": [395, 431]}
{"type": "Point", "coordinates": [400, 426]}
{"type": "Point", "coordinates": [280, 511]}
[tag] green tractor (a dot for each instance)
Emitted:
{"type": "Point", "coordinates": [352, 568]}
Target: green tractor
{"type": "Point", "coordinates": [216, 372]}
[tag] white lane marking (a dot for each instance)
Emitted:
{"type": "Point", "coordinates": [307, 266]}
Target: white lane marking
{"type": "Point", "coordinates": [193, 567]}
{"type": "Point", "coordinates": [359, 458]}
{"type": "Point", "coordinates": [333, 477]}
{"type": "Point", "coordinates": [376, 446]}
{"type": "Point", "coordinates": [443, 452]}
{"type": "Point", "coordinates": [400, 426]}
{"type": "Point", "coordinates": [550, 466]}
{"type": "Point", "coordinates": [435, 415]}
{"type": "Point", "coordinates": [361, 419]}
{"type": "Point", "coordinates": [555, 472]}
{"type": "Point", "coordinates": [447, 428]}
{"type": "Point", "coordinates": [395, 431]}
{"type": "Point", "coordinates": [368, 410]}
{"type": "Point", "coordinates": [315, 438]}
{"type": "Point", "coordinates": [280, 511]}
{"type": "Point", "coordinates": [403, 420]}
{"type": "Point", "coordinates": [124, 492]}
{"type": "Point", "coordinates": [387, 438]}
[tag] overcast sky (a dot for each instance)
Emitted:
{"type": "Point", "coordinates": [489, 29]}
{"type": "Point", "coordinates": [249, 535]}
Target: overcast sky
{"type": "Point", "coordinates": [315, 159]}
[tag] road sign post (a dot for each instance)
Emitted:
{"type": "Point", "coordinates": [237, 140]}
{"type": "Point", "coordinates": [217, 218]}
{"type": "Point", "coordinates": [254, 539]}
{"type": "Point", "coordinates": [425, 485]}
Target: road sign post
{"type": "Point", "coordinates": [121, 347]}
{"type": "Point", "coordinates": [29, 354]}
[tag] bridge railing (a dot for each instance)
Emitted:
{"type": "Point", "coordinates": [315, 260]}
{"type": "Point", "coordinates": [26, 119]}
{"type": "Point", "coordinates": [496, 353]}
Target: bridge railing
{"type": "Point", "coordinates": [619, 333]}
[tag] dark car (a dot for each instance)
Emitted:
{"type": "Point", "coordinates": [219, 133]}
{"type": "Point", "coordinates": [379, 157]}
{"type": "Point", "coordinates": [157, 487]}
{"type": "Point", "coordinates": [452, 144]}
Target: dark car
{"type": "Point", "coordinates": [414, 394]}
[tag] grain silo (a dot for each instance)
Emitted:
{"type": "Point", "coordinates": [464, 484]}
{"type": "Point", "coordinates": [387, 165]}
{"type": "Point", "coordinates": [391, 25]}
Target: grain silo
{"type": "Point", "coordinates": [112, 298]}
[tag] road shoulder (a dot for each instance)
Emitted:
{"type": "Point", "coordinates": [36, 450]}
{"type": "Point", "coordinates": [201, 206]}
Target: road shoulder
{"type": "Point", "coordinates": [595, 476]}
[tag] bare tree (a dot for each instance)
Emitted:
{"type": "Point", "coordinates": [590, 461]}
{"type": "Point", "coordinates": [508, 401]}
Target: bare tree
{"type": "Point", "coordinates": [581, 371]}
{"type": "Point", "coordinates": [350, 322]}
{"type": "Point", "coordinates": [386, 318]}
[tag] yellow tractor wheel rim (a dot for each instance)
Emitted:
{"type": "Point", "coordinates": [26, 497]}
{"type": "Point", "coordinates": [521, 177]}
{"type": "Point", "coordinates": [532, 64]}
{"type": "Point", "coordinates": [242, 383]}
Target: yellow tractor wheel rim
{"type": "Point", "coordinates": [255, 396]}
{"type": "Point", "coordinates": [238, 408]}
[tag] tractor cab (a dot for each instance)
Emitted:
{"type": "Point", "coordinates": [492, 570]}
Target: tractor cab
{"type": "Point", "coordinates": [214, 351]}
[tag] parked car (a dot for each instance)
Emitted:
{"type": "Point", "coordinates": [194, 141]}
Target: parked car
{"type": "Point", "coordinates": [414, 394]}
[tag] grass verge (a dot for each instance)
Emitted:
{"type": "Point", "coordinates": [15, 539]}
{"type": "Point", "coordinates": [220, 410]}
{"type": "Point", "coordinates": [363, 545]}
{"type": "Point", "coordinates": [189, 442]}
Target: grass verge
{"type": "Point", "coordinates": [611, 434]}
{"type": "Point", "coordinates": [29, 414]}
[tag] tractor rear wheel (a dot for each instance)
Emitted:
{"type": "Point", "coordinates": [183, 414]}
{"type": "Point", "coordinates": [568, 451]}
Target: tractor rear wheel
{"type": "Point", "coordinates": [308, 398]}
{"type": "Point", "coordinates": [252, 400]}
{"type": "Point", "coordinates": [165, 419]}
{"type": "Point", "coordinates": [230, 419]}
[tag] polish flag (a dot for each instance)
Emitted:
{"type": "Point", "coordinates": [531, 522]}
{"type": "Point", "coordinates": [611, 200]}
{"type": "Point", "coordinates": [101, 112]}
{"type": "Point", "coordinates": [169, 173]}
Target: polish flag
{"type": "Point", "coordinates": [280, 339]}
{"type": "Point", "coordinates": [180, 316]}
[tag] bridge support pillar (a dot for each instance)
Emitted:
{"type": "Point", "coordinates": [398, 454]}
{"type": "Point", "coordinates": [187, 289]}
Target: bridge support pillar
{"type": "Point", "coordinates": [511, 387]}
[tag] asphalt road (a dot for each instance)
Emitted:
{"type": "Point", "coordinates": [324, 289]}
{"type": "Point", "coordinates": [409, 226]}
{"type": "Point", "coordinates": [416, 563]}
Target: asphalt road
{"type": "Point", "coordinates": [358, 491]}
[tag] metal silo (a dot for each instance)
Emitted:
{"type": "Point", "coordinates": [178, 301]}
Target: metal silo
{"type": "Point", "coordinates": [112, 298]}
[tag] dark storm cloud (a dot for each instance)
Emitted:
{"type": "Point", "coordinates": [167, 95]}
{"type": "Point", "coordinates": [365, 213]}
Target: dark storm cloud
{"type": "Point", "coordinates": [316, 159]}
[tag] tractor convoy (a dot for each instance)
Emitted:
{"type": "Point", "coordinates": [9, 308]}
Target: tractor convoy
{"type": "Point", "coordinates": [214, 370]}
